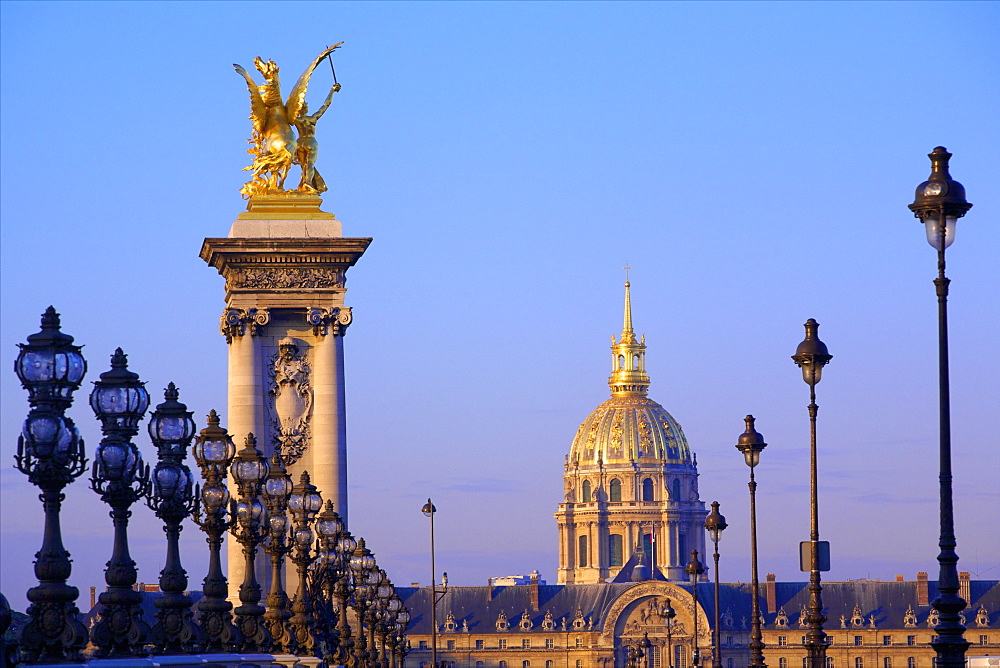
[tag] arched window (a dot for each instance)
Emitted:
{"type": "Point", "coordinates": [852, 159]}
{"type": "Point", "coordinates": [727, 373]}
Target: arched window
{"type": "Point", "coordinates": [582, 551]}
{"type": "Point", "coordinates": [615, 551]}
{"type": "Point", "coordinates": [635, 363]}
{"type": "Point", "coordinates": [886, 662]}
{"type": "Point", "coordinates": [615, 490]}
{"type": "Point", "coordinates": [480, 664]}
{"type": "Point", "coordinates": [586, 494]}
{"type": "Point", "coordinates": [621, 361]}
{"type": "Point", "coordinates": [729, 663]}
{"type": "Point", "coordinates": [911, 662]}
{"type": "Point", "coordinates": [859, 662]}
{"type": "Point", "coordinates": [525, 664]}
{"type": "Point", "coordinates": [647, 489]}
{"type": "Point", "coordinates": [680, 656]}
{"type": "Point", "coordinates": [675, 490]}
{"type": "Point", "coordinates": [503, 664]}
{"type": "Point", "coordinates": [782, 662]}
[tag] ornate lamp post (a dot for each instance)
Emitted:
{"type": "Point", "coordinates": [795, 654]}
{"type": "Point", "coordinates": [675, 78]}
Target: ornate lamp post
{"type": "Point", "coordinates": [277, 490]}
{"type": "Point", "coordinates": [389, 623]}
{"type": "Point", "coordinates": [214, 452]}
{"type": "Point", "coordinates": [343, 589]}
{"type": "Point", "coordinates": [50, 452]}
{"type": "Point", "coordinates": [751, 444]}
{"type": "Point", "coordinates": [939, 203]}
{"type": "Point", "coordinates": [326, 571]}
{"type": "Point", "coordinates": [250, 471]}
{"type": "Point", "coordinates": [812, 356]}
{"type": "Point", "coordinates": [715, 524]}
{"type": "Point", "coordinates": [667, 614]}
{"type": "Point", "coordinates": [695, 570]}
{"type": "Point", "coordinates": [400, 645]}
{"type": "Point", "coordinates": [362, 566]}
{"type": "Point", "coordinates": [304, 503]}
{"type": "Point", "coordinates": [120, 400]}
{"type": "Point", "coordinates": [429, 510]}
{"type": "Point", "coordinates": [171, 430]}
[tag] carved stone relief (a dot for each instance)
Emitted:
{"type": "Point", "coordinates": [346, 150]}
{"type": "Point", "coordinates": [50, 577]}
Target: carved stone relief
{"type": "Point", "coordinates": [324, 320]}
{"type": "Point", "coordinates": [237, 321]}
{"type": "Point", "coordinates": [290, 399]}
{"type": "Point", "coordinates": [283, 278]}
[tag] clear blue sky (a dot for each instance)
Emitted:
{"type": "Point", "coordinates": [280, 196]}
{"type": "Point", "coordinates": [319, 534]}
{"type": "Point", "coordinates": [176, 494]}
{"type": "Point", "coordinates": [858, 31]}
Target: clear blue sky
{"type": "Point", "coordinates": [751, 161]}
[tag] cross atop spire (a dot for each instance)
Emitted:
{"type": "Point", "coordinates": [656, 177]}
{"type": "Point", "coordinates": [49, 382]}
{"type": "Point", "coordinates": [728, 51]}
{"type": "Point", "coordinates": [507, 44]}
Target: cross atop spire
{"type": "Point", "coordinates": [628, 374]}
{"type": "Point", "coordinates": [628, 336]}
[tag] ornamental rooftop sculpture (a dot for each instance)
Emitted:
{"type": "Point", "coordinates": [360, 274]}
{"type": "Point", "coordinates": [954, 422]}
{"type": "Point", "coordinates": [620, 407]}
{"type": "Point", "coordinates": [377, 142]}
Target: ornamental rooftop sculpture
{"type": "Point", "coordinates": [275, 147]}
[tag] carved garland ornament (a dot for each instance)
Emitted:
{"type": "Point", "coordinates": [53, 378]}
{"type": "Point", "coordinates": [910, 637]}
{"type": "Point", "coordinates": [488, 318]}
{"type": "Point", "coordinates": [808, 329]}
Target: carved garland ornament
{"type": "Point", "coordinates": [290, 399]}
{"type": "Point", "coordinates": [277, 278]}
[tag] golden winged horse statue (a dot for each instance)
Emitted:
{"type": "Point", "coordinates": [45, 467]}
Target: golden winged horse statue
{"type": "Point", "coordinates": [274, 144]}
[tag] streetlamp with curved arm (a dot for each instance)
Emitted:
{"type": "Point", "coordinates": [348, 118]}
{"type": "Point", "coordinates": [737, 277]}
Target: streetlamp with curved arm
{"type": "Point", "coordinates": [751, 444]}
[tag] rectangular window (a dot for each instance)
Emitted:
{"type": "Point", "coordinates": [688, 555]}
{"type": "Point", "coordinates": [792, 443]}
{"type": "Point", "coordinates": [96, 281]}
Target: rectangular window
{"type": "Point", "coordinates": [582, 551]}
{"type": "Point", "coordinates": [579, 642]}
{"type": "Point", "coordinates": [480, 644]}
{"type": "Point", "coordinates": [729, 663]}
{"type": "Point", "coordinates": [886, 640]}
{"type": "Point", "coordinates": [526, 643]}
{"type": "Point", "coordinates": [911, 662]}
{"type": "Point", "coordinates": [615, 551]}
{"type": "Point", "coordinates": [549, 643]}
{"type": "Point", "coordinates": [782, 641]}
{"type": "Point", "coordinates": [502, 643]}
{"type": "Point", "coordinates": [829, 640]}
{"type": "Point", "coordinates": [451, 644]}
{"type": "Point", "coordinates": [911, 640]}
{"type": "Point", "coordinates": [729, 640]}
{"type": "Point", "coordinates": [858, 641]}
{"type": "Point", "coordinates": [423, 645]}
{"type": "Point", "coordinates": [984, 640]}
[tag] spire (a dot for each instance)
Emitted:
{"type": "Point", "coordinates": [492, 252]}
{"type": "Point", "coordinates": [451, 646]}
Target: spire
{"type": "Point", "coordinates": [628, 355]}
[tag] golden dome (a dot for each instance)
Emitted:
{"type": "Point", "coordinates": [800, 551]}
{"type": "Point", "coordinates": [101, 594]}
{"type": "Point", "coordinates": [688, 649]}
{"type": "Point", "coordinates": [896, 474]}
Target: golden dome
{"type": "Point", "coordinates": [629, 427]}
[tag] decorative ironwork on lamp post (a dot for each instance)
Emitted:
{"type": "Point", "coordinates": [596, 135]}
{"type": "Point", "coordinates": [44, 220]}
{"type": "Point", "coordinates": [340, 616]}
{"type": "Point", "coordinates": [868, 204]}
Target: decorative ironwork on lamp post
{"type": "Point", "coordinates": [214, 452]}
{"type": "Point", "coordinates": [939, 203]}
{"type": "Point", "coordinates": [695, 570]}
{"type": "Point", "coordinates": [715, 524]}
{"type": "Point", "coordinates": [304, 503]}
{"type": "Point", "coordinates": [277, 490]}
{"type": "Point", "coordinates": [51, 453]}
{"type": "Point", "coordinates": [751, 444]}
{"type": "Point", "coordinates": [120, 400]}
{"type": "Point", "coordinates": [171, 430]}
{"type": "Point", "coordinates": [811, 356]}
{"type": "Point", "coordinates": [343, 590]}
{"type": "Point", "coordinates": [362, 568]}
{"type": "Point", "coordinates": [250, 528]}
{"type": "Point", "coordinates": [326, 570]}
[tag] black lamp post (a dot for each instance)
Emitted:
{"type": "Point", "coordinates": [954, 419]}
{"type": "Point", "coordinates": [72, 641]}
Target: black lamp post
{"type": "Point", "coordinates": [343, 589]}
{"type": "Point", "coordinates": [362, 566]}
{"type": "Point", "coordinates": [429, 510]}
{"type": "Point", "coordinates": [214, 452]}
{"type": "Point", "coordinates": [695, 570]}
{"type": "Point", "coordinates": [171, 430]}
{"type": "Point", "coordinates": [277, 490]}
{"type": "Point", "coordinates": [812, 356]}
{"type": "Point", "coordinates": [667, 613]}
{"type": "Point", "coordinates": [939, 203]}
{"type": "Point", "coordinates": [250, 471]}
{"type": "Point", "coordinates": [304, 503]}
{"type": "Point", "coordinates": [325, 573]}
{"type": "Point", "coordinates": [120, 400]}
{"type": "Point", "coordinates": [751, 444]}
{"type": "Point", "coordinates": [715, 524]}
{"type": "Point", "coordinates": [400, 643]}
{"type": "Point", "coordinates": [51, 453]}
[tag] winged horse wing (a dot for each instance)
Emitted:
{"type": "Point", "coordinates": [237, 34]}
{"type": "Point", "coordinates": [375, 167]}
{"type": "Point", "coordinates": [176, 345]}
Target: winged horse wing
{"type": "Point", "coordinates": [298, 95]}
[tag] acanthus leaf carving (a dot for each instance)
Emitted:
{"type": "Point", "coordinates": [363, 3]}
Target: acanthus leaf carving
{"type": "Point", "coordinates": [278, 278]}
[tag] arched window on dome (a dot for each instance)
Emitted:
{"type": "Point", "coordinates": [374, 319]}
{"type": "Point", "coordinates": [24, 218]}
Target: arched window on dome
{"type": "Point", "coordinates": [647, 489]}
{"type": "Point", "coordinates": [586, 494]}
{"type": "Point", "coordinates": [615, 490]}
{"type": "Point", "coordinates": [582, 552]}
{"type": "Point", "coordinates": [635, 363]}
{"type": "Point", "coordinates": [621, 361]}
{"type": "Point", "coordinates": [675, 490]}
{"type": "Point", "coordinates": [615, 551]}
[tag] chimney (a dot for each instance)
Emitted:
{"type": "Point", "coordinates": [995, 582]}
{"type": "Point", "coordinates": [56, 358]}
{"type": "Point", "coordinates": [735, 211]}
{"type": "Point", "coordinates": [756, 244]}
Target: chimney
{"type": "Point", "coordinates": [771, 591]}
{"type": "Point", "coordinates": [964, 589]}
{"type": "Point", "coordinates": [93, 597]}
{"type": "Point", "coordinates": [534, 590]}
{"type": "Point", "coordinates": [922, 596]}
{"type": "Point", "coordinates": [489, 589]}
{"type": "Point", "coordinates": [899, 578]}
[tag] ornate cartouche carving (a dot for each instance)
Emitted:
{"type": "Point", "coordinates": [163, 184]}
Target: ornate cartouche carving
{"type": "Point", "coordinates": [236, 322]}
{"type": "Point", "coordinates": [323, 320]}
{"type": "Point", "coordinates": [282, 278]}
{"type": "Point", "coordinates": [290, 400]}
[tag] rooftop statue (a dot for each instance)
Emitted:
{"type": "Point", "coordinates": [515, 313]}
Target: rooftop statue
{"type": "Point", "coordinates": [275, 147]}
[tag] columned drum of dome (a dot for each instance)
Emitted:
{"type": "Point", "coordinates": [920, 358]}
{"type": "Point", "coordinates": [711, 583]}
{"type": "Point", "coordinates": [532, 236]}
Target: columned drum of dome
{"type": "Point", "coordinates": [630, 482]}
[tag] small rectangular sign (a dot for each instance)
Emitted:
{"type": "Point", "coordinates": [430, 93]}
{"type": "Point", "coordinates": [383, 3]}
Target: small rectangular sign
{"type": "Point", "coordinates": [805, 555]}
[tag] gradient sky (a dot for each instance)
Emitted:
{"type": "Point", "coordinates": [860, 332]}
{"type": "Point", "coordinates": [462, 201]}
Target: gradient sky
{"type": "Point", "coordinates": [751, 161]}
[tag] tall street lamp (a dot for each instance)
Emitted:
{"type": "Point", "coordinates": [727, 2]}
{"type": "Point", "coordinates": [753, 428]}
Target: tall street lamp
{"type": "Point", "coordinates": [51, 453]}
{"type": "Point", "coordinates": [362, 566]}
{"type": "Point", "coordinates": [812, 356]}
{"type": "Point", "coordinates": [715, 524]}
{"type": "Point", "coordinates": [751, 444]}
{"type": "Point", "coordinates": [277, 490]}
{"type": "Point", "coordinates": [250, 471]}
{"type": "Point", "coordinates": [171, 430]}
{"type": "Point", "coordinates": [214, 451]}
{"type": "Point", "coordinates": [304, 503]}
{"type": "Point", "coordinates": [667, 613]}
{"type": "Point", "coordinates": [695, 570]}
{"type": "Point", "coordinates": [939, 203]}
{"type": "Point", "coordinates": [120, 400]}
{"type": "Point", "coordinates": [429, 510]}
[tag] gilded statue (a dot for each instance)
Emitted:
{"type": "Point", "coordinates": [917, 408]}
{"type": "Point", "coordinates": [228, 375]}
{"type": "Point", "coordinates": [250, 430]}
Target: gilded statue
{"type": "Point", "coordinates": [274, 145]}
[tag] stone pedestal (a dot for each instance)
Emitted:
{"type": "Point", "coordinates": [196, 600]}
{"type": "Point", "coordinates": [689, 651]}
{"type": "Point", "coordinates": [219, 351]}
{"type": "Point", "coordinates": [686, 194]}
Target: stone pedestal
{"type": "Point", "coordinates": [285, 265]}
